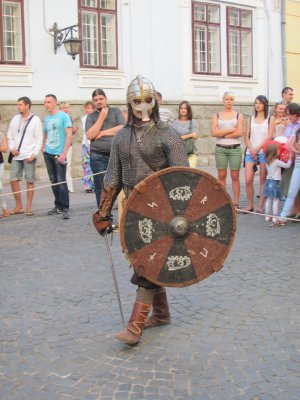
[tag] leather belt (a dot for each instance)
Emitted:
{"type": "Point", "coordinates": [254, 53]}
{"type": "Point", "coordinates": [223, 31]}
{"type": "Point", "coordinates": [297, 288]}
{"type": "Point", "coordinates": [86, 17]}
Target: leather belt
{"type": "Point", "coordinates": [233, 146]}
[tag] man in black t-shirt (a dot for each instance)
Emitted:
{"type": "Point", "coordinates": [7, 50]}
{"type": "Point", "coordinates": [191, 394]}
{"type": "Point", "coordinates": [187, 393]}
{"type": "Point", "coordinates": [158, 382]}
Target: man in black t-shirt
{"type": "Point", "coordinates": [101, 126]}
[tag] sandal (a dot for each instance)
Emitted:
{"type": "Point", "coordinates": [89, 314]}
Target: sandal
{"type": "Point", "coordinates": [15, 212]}
{"type": "Point", "coordinates": [5, 212]}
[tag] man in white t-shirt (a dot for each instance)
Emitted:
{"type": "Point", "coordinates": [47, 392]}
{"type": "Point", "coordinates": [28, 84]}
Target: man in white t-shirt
{"type": "Point", "coordinates": [24, 151]}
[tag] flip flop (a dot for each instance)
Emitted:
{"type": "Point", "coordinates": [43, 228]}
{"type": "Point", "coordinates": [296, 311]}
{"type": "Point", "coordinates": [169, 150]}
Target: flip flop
{"type": "Point", "coordinates": [16, 212]}
{"type": "Point", "coordinates": [29, 213]}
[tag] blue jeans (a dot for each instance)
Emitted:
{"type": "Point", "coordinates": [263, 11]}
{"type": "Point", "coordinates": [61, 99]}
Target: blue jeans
{"type": "Point", "coordinates": [98, 163]}
{"type": "Point", "coordinates": [293, 190]}
{"type": "Point", "coordinates": [57, 173]}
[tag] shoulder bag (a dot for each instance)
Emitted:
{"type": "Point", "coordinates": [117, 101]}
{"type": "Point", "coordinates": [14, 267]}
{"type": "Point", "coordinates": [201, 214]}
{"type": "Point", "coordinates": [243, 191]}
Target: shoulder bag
{"type": "Point", "coordinates": [189, 143]}
{"type": "Point", "coordinates": [10, 156]}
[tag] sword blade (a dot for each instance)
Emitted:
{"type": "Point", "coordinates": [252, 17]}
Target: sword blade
{"type": "Point", "coordinates": [112, 267]}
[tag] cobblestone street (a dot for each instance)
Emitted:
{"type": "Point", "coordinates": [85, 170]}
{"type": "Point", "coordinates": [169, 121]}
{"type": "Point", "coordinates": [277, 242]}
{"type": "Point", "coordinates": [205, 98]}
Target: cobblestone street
{"type": "Point", "coordinates": [235, 335]}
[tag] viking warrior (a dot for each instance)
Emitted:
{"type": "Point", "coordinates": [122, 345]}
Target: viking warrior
{"type": "Point", "coordinates": [145, 145]}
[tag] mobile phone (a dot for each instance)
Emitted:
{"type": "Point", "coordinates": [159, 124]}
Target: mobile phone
{"type": "Point", "coordinates": [64, 163]}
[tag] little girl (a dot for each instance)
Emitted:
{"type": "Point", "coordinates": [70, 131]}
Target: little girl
{"type": "Point", "coordinates": [281, 119]}
{"type": "Point", "coordinates": [272, 185]}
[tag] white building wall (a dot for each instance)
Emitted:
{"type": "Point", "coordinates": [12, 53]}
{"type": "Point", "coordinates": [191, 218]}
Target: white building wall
{"type": "Point", "coordinates": [155, 40]}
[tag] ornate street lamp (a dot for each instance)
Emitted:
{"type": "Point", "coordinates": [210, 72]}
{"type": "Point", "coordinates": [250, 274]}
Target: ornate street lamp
{"type": "Point", "coordinates": [65, 36]}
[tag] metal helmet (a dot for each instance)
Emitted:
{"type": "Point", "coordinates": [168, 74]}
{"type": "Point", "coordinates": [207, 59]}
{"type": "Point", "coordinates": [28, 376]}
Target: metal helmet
{"type": "Point", "coordinates": [141, 96]}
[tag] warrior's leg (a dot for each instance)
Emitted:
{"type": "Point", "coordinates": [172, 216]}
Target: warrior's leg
{"type": "Point", "coordinates": [131, 335]}
{"type": "Point", "coordinates": [160, 309]}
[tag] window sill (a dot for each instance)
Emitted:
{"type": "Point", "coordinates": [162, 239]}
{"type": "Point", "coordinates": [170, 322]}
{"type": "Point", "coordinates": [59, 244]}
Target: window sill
{"type": "Point", "coordinates": [15, 75]}
{"type": "Point", "coordinates": [220, 78]}
{"type": "Point", "coordinates": [92, 78]}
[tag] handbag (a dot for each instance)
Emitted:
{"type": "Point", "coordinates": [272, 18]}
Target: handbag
{"type": "Point", "coordinates": [11, 156]}
{"type": "Point", "coordinates": [189, 144]}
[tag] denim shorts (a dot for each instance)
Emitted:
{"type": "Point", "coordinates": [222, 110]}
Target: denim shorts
{"type": "Point", "coordinates": [18, 166]}
{"type": "Point", "coordinates": [260, 158]}
{"type": "Point", "coordinates": [232, 156]}
{"type": "Point", "coordinates": [272, 189]}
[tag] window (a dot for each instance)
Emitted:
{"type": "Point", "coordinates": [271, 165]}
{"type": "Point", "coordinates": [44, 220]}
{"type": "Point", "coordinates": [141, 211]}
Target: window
{"type": "Point", "coordinates": [98, 25]}
{"type": "Point", "coordinates": [206, 38]}
{"type": "Point", "coordinates": [11, 32]}
{"type": "Point", "coordinates": [239, 42]}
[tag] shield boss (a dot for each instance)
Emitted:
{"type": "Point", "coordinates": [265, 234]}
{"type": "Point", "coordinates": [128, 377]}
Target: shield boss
{"type": "Point", "coordinates": [178, 226]}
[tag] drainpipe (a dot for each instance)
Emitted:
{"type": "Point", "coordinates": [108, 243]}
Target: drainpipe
{"type": "Point", "coordinates": [283, 43]}
{"type": "Point", "coordinates": [44, 19]}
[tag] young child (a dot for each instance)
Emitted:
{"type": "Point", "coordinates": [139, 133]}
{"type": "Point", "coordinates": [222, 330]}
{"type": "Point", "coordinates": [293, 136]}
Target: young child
{"type": "Point", "coordinates": [272, 189]}
{"type": "Point", "coordinates": [281, 119]}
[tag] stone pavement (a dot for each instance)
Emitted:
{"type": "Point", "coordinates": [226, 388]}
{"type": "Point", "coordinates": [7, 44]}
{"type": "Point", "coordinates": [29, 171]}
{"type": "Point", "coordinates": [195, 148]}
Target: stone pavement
{"type": "Point", "coordinates": [235, 335]}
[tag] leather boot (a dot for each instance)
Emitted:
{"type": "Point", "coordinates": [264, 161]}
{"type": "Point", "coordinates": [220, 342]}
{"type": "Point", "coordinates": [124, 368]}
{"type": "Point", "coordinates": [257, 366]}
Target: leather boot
{"type": "Point", "coordinates": [132, 334]}
{"type": "Point", "coordinates": [160, 312]}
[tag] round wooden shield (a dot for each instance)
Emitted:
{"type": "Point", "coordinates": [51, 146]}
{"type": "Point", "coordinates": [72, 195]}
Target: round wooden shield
{"type": "Point", "coordinates": [178, 226]}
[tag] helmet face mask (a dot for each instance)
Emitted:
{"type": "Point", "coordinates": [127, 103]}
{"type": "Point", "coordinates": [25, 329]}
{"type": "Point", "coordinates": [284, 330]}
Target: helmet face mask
{"type": "Point", "coordinates": [141, 96]}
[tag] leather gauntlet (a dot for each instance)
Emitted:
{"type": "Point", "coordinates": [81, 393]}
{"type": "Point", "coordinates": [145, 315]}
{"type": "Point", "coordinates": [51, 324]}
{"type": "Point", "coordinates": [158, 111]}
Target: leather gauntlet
{"type": "Point", "coordinates": [103, 225]}
{"type": "Point", "coordinates": [102, 219]}
{"type": "Point", "coordinates": [108, 197]}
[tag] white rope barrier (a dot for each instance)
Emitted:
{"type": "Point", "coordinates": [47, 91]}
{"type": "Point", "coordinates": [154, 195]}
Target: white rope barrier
{"type": "Point", "coordinates": [239, 210]}
{"type": "Point", "coordinates": [50, 184]}
{"type": "Point", "coordinates": [261, 214]}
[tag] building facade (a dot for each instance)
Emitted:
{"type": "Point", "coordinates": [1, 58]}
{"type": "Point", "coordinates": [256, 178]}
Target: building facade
{"type": "Point", "coordinates": [190, 49]}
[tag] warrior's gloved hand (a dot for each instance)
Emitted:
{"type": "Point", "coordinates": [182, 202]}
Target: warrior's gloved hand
{"type": "Point", "coordinates": [102, 224]}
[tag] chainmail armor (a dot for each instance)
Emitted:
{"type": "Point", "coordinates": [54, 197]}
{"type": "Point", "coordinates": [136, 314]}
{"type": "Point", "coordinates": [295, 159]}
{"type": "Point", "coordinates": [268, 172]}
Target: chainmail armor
{"type": "Point", "coordinates": [160, 147]}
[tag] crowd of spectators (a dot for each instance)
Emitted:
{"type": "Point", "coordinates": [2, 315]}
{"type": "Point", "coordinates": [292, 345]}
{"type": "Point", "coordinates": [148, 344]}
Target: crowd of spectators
{"type": "Point", "coordinates": [271, 138]}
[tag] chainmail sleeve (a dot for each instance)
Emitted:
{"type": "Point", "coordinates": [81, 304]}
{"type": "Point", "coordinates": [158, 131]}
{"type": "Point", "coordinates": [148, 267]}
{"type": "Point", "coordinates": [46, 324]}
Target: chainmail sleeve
{"type": "Point", "coordinates": [112, 183]}
{"type": "Point", "coordinates": [173, 147]}
{"type": "Point", "coordinates": [113, 175]}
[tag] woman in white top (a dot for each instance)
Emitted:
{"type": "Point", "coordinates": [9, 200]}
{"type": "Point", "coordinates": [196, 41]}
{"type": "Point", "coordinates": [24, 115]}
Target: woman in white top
{"type": "Point", "coordinates": [227, 128]}
{"type": "Point", "coordinates": [259, 130]}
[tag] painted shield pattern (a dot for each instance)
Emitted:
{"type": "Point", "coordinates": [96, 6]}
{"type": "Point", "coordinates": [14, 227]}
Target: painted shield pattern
{"type": "Point", "coordinates": [178, 227]}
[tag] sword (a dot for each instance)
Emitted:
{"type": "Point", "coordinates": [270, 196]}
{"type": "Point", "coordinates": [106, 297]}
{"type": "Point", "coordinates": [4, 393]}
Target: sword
{"type": "Point", "coordinates": [114, 277]}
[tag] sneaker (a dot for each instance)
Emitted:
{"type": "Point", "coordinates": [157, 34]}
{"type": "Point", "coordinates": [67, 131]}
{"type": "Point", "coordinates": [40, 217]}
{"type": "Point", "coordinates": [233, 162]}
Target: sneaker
{"type": "Point", "coordinates": [54, 211]}
{"type": "Point", "coordinates": [268, 219]}
{"type": "Point", "coordinates": [281, 222]}
{"type": "Point", "coordinates": [278, 222]}
{"type": "Point", "coordinates": [66, 214]}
